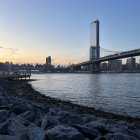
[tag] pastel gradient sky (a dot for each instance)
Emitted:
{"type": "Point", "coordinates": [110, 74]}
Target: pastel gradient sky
{"type": "Point", "coordinates": [30, 30]}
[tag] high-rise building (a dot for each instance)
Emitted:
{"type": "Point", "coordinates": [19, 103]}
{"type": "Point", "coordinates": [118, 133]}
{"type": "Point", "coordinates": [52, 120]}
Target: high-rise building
{"type": "Point", "coordinates": [94, 40]}
{"type": "Point", "coordinates": [48, 66]}
{"type": "Point", "coordinates": [48, 60]}
{"type": "Point", "coordinates": [131, 63]}
{"type": "Point", "coordinates": [115, 65]}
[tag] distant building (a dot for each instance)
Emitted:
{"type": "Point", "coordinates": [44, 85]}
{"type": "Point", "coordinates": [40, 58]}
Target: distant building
{"type": "Point", "coordinates": [138, 68]}
{"type": "Point", "coordinates": [115, 65]}
{"type": "Point", "coordinates": [103, 67]}
{"type": "Point", "coordinates": [48, 60]}
{"type": "Point", "coordinates": [124, 67]}
{"type": "Point", "coordinates": [48, 65]}
{"type": "Point", "coordinates": [39, 67]}
{"type": "Point", "coordinates": [131, 63]}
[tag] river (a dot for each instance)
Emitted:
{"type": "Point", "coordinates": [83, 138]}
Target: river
{"type": "Point", "coordinates": [116, 93]}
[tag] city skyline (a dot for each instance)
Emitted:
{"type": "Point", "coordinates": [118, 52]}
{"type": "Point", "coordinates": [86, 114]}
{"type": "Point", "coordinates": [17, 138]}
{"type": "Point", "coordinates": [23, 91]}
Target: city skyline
{"type": "Point", "coordinates": [32, 30]}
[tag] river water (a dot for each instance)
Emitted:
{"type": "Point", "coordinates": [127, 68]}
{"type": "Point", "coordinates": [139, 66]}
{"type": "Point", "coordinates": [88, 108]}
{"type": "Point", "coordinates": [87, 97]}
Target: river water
{"type": "Point", "coordinates": [117, 93]}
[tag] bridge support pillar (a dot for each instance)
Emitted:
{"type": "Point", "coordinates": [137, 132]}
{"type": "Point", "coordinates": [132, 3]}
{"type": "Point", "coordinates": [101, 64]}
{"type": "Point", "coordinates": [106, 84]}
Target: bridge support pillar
{"type": "Point", "coordinates": [95, 68]}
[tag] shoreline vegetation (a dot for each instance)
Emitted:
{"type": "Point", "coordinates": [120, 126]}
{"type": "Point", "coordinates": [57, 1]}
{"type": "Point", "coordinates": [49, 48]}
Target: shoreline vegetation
{"type": "Point", "coordinates": [52, 118]}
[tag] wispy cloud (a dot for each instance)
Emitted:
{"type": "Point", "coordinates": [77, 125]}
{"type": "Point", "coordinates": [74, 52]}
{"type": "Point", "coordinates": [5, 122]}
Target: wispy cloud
{"type": "Point", "coordinates": [13, 50]}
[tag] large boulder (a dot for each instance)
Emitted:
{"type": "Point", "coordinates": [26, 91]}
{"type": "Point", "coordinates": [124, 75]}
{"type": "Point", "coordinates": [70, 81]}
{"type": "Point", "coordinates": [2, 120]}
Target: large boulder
{"type": "Point", "coordinates": [119, 136]}
{"type": "Point", "coordinates": [61, 132]}
{"type": "Point", "coordinates": [87, 132]}
{"type": "Point", "coordinates": [8, 137]}
{"type": "Point", "coordinates": [113, 128]}
{"type": "Point", "coordinates": [20, 107]}
{"type": "Point", "coordinates": [16, 128]}
{"type": "Point", "coordinates": [4, 127]}
{"type": "Point", "coordinates": [35, 133]}
{"type": "Point", "coordinates": [3, 101]}
{"type": "Point", "coordinates": [28, 115]}
{"type": "Point", "coordinates": [88, 118]}
{"type": "Point", "coordinates": [71, 119]}
{"type": "Point", "coordinates": [97, 125]}
{"type": "Point", "coordinates": [48, 121]}
{"type": "Point", "coordinates": [38, 118]}
{"type": "Point", "coordinates": [136, 132]}
{"type": "Point", "coordinates": [4, 114]}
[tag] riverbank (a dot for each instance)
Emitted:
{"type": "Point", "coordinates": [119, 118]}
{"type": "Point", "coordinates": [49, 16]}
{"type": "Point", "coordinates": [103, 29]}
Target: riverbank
{"type": "Point", "coordinates": [59, 119]}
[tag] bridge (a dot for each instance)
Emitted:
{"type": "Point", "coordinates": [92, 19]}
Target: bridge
{"type": "Point", "coordinates": [95, 58]}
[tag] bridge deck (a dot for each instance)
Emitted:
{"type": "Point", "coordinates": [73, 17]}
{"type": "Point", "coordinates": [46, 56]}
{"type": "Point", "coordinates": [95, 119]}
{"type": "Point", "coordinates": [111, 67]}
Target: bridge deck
{"type": "Point", "coordinates": [111, 57]}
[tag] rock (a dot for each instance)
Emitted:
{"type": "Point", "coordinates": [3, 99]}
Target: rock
{"type": "Point", "coordinates": [35, 133]}
{"type": "Point", "coordinates": [87, 139]}
{"type": "Point", "coordinates": [4, 127]}
{"type": "Point", "coordinates": [71, 119]}
{"type": "Point", "coordinates": [137, 133]}
{"type": "Point", "coordinates": [38, 119]}
{"type": "Point", "coordinates": [97, 125]}
{"type": "Point", "coordinates": [100, 138]}
{"type": "Point", "coordinates": [4, 114]}
{"type": "Point", "coordinates": [87, 132]}
{"type": "Point", "coordinates": [19, 108]}
{"type": "Point", "coordinates": [3, 101]}
{"type": "Point", "coordinates": [44, 122]}
{"type": "Point", "coordinates": [17, 128]}
{"type": "Point", "coordinates": [119, 136]}
{"type": "Point", "coordinates": [48, 121]}
{"type": "Point", "coordinates": [8, 137]}
{"type": "Point", "coordinates": [63, 113]}
{"type": "Point", "coordinates": [113, 128]}
{"type": "Point", "coordinates": [28, 115]}
{"type": "Point", "coordinates": [12, 114]}
{"type": "Point", "coordinates": [61, 132]}
{"type": "Point", "coordinates": [87, 119]}
{"type": "Point", "coordinates": [54, 111]}
{"type": "Point", "coordinates": [39, 108]}
{"type": "Point", "coordinates": [39, 114]}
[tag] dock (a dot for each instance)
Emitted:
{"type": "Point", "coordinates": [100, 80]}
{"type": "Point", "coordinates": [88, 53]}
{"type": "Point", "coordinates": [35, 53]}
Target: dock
{"type": "Point", "coordinates": [15, 75]}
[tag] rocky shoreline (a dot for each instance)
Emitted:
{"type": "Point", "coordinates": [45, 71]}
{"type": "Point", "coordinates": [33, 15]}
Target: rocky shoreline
{"type": "Point", "coordinates": [25, 114]}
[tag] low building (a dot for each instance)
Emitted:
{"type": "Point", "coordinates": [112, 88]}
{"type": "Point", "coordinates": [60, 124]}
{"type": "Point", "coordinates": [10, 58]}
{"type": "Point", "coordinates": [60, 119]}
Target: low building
{"type": "Point", "coordinates": [103, 67]}
{"type": "Point", "coordinates": [131, 63]}
{"type": "Point", "coordinates": [115, 65]}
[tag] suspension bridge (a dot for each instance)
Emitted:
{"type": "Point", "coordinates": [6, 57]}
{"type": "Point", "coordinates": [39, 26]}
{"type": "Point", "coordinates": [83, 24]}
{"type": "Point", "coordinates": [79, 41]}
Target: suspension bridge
{"type": "Point", "coordinates": [95, 58]}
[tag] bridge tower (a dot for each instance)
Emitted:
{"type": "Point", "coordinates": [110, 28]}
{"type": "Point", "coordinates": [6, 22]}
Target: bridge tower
{"type": "Point", "coordinates": [94, 46]}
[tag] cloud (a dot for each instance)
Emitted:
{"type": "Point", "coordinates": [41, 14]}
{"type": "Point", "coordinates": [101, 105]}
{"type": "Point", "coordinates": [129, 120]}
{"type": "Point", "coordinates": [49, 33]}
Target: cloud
{"type": "Point", "coordinates": [13, 50]}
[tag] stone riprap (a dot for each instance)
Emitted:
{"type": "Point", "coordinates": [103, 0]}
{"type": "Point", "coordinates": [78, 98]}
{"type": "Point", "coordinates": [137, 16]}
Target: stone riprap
{"type": "Point", "coordinates": [26, 119]}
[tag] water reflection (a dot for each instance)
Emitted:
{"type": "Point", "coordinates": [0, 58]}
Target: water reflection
{"type": "Point", "coordinates": [118, 93]}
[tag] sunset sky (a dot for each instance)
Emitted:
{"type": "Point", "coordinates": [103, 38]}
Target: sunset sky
{"type": "Point", "coordinates": [30, 30]}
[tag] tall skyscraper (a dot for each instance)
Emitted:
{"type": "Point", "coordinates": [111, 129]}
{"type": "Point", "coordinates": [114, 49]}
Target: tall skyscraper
{"type": "Point", "coordinates": [94, 40]}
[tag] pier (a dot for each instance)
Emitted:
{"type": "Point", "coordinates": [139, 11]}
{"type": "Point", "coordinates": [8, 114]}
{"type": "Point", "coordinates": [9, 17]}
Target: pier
{"type": "Point", "coordinates": [15, 75]}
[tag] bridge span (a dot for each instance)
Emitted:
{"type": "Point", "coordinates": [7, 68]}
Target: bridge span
{"type": "Point", "coordinates": [126, 54]}
{"type": "Point", "coordinates": [95, 59]}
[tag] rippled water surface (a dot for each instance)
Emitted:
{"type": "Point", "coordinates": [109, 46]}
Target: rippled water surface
{"type": "Point", "coordinates": [118, 93]}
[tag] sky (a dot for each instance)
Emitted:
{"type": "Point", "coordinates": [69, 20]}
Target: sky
{"type": "Point", "coordinates": [31, 30]}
